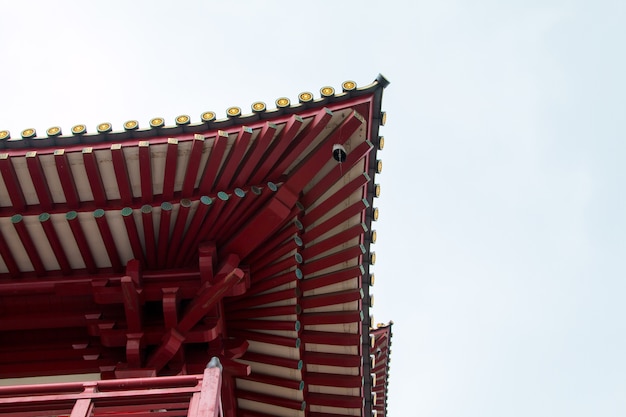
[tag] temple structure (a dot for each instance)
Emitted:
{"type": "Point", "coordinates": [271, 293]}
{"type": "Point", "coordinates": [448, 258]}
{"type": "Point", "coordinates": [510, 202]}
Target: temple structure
{"type": "Point", "coordinates": [130, 259]}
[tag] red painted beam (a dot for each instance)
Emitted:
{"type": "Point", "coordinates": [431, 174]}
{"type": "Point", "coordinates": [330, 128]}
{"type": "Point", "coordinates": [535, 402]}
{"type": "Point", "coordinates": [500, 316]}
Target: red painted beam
{"type": "Point", "coordinates": [278, 147]}
{"type": "Point", "coordinates": [237, 217]}
{"type": "Point", "coordinates": [55, 243]}
{"type": "Point", "coordinates": [331, 317]}
{"type": "Point", "coordinates": [331, 278]}
{"type": "Point", "coordinates": [258, 148]}
{"type": "Point", "coordinates": [235, 158]}
{"type": "Point", "coordinates": [258, 313]}
{"type": "Point", "coordinates": [267, 399]}
{"type": "Point", "coordinates": [303, 140]}
{"type": "Point", "coordinates": [29, 245]}
{"type": "Point", "coordinates": [145, 169]}
{"type": "Point", "coordinates": [132, 308]}
{"type": "Point", "coordinates": [334, 380]}
{"type": "Point", "coordinates": [279, 250]}
{"type": "Point", "coordinates": [343, 216]}
{"type": "Point", "coordinates": [8, 258]}
{"type": "Point", "coordinates": [331, 400]}
{"type": "Point", "coordinates": [169, 174]}
{"type": "Point", "coordinates": [332, 359]}
{"type": "Point", "coordinates": [107, 239]}
{"type": "Point", "coordinates": [204, 204]}
{"type": "Point", "coordinates": [236, 199]}
{"type": "Point", "coordinates": [289, 232]}
{"type": "Point", "coordinates": [339, 297]}
{"type": "Point", "coordinates": [133, 234]}
{"type": "Point", "coordinates": [149, 236]}
{"type": "Point", "coordinates": [289, 363]}
{"type": "Point", "coordinates": [205, 231]}
{"type": "Point", "coordinates": [121, 174]}
{"type": "Point", "coordinates": [67, 179]}
{"type": "Point", "coordinates": [12, 183]}
{"type": "Point", "coordinates": [334, 241]}
{"type": "Point", "coordinates": [94, 177]}
{"type": "Point", "coordinates": [323, 185]}
{"type": "Point", "coordinates": [179, 229]}
{"type": "Point", "coordinates": [164, 233]}
{"type": "Point", "coordinates": [274, 282]}
{"type": "Point", "coordinates": [270, 325]}
{"type": "Point", "coordinates": [346, 255]}
{"type": "Point", "coordinates": [330, 338]}
{"type": "Point", "coordinates": [274, 380]}
{"type": "Point", "coordinates": [266, 338]}
{"type": "Point", "coordinates": [259, 300]}
{"type": "Point", "coordinates": [193, 164]}
{"type": "Point", "coordinates": [39, 181]}
{"type": "Point", "coordinates": [335, 199]}
{"type": "Point", "coordinates": [278, 267]}
{"type": "Point", "coordinates": [214, 162]}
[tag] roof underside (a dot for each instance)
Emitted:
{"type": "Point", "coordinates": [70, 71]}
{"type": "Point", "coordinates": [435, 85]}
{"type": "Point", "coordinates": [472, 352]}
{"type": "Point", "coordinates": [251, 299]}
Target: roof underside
{"type": "Point", "coordinates": [145, 252]}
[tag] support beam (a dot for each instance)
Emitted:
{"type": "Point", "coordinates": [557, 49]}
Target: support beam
{"type": "Point", "coordinates": [234, 158]}
{"type": "Point", "coordinates": [39, 181]}
{"type": "Point", "coordinates": [258, 148]}
{"type": "Point", "coordinates": [193, 164]}
{"type": "Point", "coordinates": [145, 169]}
{"type": "Point", "coordinates": [163, 252]}
{"type": "Point", "coordinates": [213, 163]}
{"type": "Point", "coordinates": [179, 229]}
{"type": "Point", "coordinates": [29, 245]}
{"type": "Point", "coordinates": [169, 174]}
{"type": "Point", "coordinates": [55, 243]}
{"type": "Point", "coordinates": [133, 234]}
{"type": "Point", "coordinates": [12, 183]}
{"type": "Point", "coordinates": [107, 239]}
{"type": "Point", "coordinates": [121, 174]}
{"type": "Point", "coordinates": [94, 177]}
{"type": "Point", "coordinates": [8, 258]}
{"type": "Point", "coordinates": [67, 179]}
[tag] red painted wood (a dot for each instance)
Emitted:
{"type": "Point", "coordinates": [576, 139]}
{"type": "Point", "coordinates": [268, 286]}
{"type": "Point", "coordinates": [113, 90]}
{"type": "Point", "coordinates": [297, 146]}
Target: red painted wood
{"type": "Point", "coordinates": [278, 267]}
{"type": "Point", "coordinates": [334, 241]}
{"type": "Point", "coordinates": [131, 304]}
{"type": "Point", "coordinates": [322, 228]}
{"type": "Point", "coordinates": [259, 300]}
{"type": "Point", "coordinates": [266, 338]}
{"type": "Point", "coordinates": [179, 229]}
{"type": "Point", "coordinates": [257, 150]}
{"type": "Point", "coordinates": [55, 243]}
{"type": "Point", "coordinates": [163, 252]}
{"type": "Point", "coordinates": [210, 405]}
{"type": "Point", "coordinates": [329, 338]}
{"type": "Point", "coordinates": [288, 233]}
{"type": "Point", "coordinates": [12, 183]}
{"type": "Point", "coordinates": [145, 168]}
{"type": "Point", "coordinates": [121, 174]}
{"type": "Point", "coordinates": [332, 359]}
{"type": "Point", "coordinates": [39, 181]}
{"type": "Point", "coordinates": [339, 297]}
{"type": "Point", "coordinates": [276, 381]}
{"type": "Point", "coordinates": [331, 278]}
{"type": "Point", "coordinates": [149, 236]}
{"type": "Point", "coordinates": [193, 164]}
{"type": "Point", "coordinates": [29, 246]}
{"type": "Point", "coordinates": [94, 177]}
{"type": "Point", "coordinates": [169, 174]}
{"type": "Point", "coordinates": [303, 140]}
{"type": "Point", "coordinates": [8, 258]}
{"type": "Point", "coordinates": [354, 157]}
{"type": "Point", "coordinates": [67, 179]}
{"type": "Point", "coordinates": [213, 163]}
{"type": "Point", "coordinates": [344, 256]}
{"type": "Point", "coordinates": [205, 204]}
{"type": "Point", "coordinates": [235, 158]}
{"type": "Point", "coordinates": [107, 239]}
{"type": "Point", "coordinates": [274, 282]}
{"type": "Point", "coordinates": [334, 380]}
{"type": "Point", "coordinates": [279, 251]}
{"type": "Point", "coordinates": [331, 317]}
{"type": "Point", "coordinates": [278, 147]}
{"type": "Point", "coordinates": [267, 399]}
{"type": "Point", "coordinates": [133, 234]}
{"type": "Point", "coordinates": [330, 400]}
{"type": "Point", "coordinates": [263, 312]}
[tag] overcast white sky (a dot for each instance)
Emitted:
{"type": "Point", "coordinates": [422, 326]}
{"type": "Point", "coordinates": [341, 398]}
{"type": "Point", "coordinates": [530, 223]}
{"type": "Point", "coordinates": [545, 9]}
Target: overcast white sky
{"type": "Point", "coordinates": [502, 237]}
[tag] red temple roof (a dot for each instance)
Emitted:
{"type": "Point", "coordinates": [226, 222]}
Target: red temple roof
{"type": "Point", "coordinates": [143, 253]}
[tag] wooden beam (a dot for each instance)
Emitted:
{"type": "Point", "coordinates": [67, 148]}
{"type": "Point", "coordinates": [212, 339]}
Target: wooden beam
{"type": "Point", "coordinates": [121, 174]}
{"type": "Point", "coordinates": [149, 237]}
{"type": "Point", "coordinates": [193, 164]}
{"type": "Point", "coordinates": [67, 179]}
{"type": "Point", "coordinates": [29, 245]}
{"type": "Point", "coordinates": [39, 181]}
{"type": "Point", "coordinates": [107, 239]}
{"type": "Point", "coordinates": [163, 252]}
{"type": "Point", "coordinates": [235, 158]}
{"type": "Point", "coordinates": [257, 150]}
{"type": "Point", "coordinates": [94, 177]}
{"type": "Point", "coordinates": [145, 171]}
{"type": "Point", "coordinates": [169, 173]}
{"type": "Point", "coordinates": [133, 234]}
{"type": "Point", "coordinates": [213, 163]}
{"type": "Point", "coordinates": [12, 183]}
{"type": "Point", "coordinates": [55, 243]}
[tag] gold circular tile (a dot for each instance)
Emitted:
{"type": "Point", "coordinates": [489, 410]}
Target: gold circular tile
{"type": "Point", "coordinates": [348, 85]}
{"type": "Point", "coordinates": [379, 166]}
{"type": "Point", "coordinates": [282, 102]}
{"type": "Point", "coordinates": [104, 127]}
{"type": "Point", "coordinates": [381, 143]}
{"type": "Point", "coordinates": [375, 214]}
{"type": "Point", "coordinates": [54, 131]}
{"type": "Point", "coordinates": [183, 120]}
{"type": "Point", "coordinates": [131, 125]}
{"type": "Point", "coordinates": [233, 111]}
{"type": "Point", "coordinates": [208, 116]}
{"type": "Point", "coordinates": [79, 129]}
{"type": "Point", "coordinates": [327, 91]}
{"type": "Point", "coordinates": [377, 190]}
{"type": "Point", "coordinates": [373, 237]}
{"type": "Point", "coordinates": [157, 122]}
{"type": "Point", "coordinates": [28, 133]}
{"type": "Point", "coordinates": [259, 106]}
{"type": "Point", "coordinates": [305, 97]}
{"type": "Point", "coordinates": [5, 134]}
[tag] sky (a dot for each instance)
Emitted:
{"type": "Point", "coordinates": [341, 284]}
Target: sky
{"type": "Point", "coordinates": [501, 238]}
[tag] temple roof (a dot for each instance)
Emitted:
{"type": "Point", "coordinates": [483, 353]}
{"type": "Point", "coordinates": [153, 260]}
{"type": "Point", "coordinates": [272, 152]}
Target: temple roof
{"type": "Point", "coordinates": [140, 252]}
